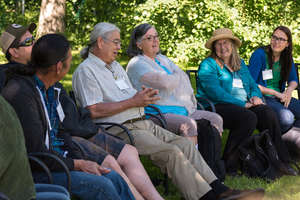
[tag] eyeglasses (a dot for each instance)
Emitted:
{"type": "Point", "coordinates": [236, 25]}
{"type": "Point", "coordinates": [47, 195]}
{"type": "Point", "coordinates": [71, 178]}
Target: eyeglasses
{"type": "Point", "coordinates": [27, 42]}
{"type": "Point", "coordinates": [151, 38]}
{"type": "Point", "coordinates": [116, 41]}
{"type": "Point", "coordinates": [274, 37]}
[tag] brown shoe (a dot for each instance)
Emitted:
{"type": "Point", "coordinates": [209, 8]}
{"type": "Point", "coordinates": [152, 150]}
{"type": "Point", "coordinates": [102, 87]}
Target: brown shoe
{"type": "Point", "coordinates": [256, 194]}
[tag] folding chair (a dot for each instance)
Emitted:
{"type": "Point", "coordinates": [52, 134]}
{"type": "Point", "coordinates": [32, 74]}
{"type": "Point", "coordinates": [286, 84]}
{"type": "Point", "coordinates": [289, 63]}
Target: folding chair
{"type": "Point", "coordinates": [193, 76]}
{"type": "Point", "coordinates": [105, 126]}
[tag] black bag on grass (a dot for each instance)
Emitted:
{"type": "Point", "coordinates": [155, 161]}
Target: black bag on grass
{"type": "Point", "coordinates": [210, 147]}
{"type": "Point", "coordinates": [259, 157]}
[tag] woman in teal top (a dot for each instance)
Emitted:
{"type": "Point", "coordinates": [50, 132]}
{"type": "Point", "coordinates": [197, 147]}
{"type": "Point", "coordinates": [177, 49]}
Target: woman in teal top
{"type": "Point", "coordinates": [272, 67]}
{"type": "Point", "coordinates": [225, 80]}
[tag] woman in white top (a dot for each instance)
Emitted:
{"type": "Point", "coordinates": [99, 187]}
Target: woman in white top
{"type": "Point", "coordinates": [149, 68]}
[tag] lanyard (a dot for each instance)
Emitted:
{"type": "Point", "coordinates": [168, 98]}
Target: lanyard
{"type": "Point", "coordinates": [47, 117]}
{"type": "Point", "coordinates": [163, 67]}
{"type": "Point", "coordinates": [58, 93]}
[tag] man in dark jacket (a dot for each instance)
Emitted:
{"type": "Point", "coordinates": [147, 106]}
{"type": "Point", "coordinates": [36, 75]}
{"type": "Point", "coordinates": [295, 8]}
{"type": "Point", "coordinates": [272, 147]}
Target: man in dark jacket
{"type": "Point", "coordinates": [15, 181]}
{"type": "Point", "coordinates": [103, 148]}
{"type": "Point", "coordinates": [33, 93]}
{"type": "Point", "coordinates": [16, 43]}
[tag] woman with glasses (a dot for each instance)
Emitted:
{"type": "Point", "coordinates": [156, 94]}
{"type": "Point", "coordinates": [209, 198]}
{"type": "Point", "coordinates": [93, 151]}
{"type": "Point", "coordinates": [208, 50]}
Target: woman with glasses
{"type": "Point", "coordinates": [149, 68]}
{"type": "Point", "coordinates": [272, 67]}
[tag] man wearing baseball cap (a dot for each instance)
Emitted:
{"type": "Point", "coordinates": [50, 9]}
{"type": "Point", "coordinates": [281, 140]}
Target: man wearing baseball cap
{"type": "Point", "coordinates": [16, 43]}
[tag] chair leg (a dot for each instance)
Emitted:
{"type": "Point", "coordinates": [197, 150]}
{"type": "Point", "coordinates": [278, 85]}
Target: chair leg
{"type": "Point", "coordinates": [166, 184]}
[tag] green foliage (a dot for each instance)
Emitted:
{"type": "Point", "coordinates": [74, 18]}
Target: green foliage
{"type": "Point", "coordinates": [89, 12]}
{"type": "Point", "coordinates": [184, 25]}
{"type": "Point", "coordinates": [11, 12]}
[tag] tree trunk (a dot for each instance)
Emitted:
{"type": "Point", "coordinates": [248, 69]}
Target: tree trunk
{"type": "Point", "coordinates": [52, 17]}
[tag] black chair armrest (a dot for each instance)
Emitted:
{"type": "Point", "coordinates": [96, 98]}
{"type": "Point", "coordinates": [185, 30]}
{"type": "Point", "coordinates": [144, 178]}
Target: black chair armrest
{"type": "Point", "coordinates": [201, 99]}
{"type": "Point", "coordinates": [159, 116]}
{"type": "Point", "coordinates": [43, 166]}
{"type": "Point", "coordinates": [161, 121]}
{"type": "Point", "coordinates": [112, 124]}
{"type": "Point", "coordinates": [200, 106]}
{"type": "Point", "coordinates": [58, 160]}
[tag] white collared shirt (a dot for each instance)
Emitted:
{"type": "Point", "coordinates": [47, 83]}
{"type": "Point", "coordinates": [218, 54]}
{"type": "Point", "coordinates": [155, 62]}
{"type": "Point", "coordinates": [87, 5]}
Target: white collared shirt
{"type": "Point", "coordinates": [93, 83]}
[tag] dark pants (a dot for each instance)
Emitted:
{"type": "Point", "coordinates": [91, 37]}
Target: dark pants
{"type": "Point", "coordinates": [242, 122]}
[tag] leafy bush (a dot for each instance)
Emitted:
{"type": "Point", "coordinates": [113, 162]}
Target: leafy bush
{"type": "Point", "coordinates": [184, 25]}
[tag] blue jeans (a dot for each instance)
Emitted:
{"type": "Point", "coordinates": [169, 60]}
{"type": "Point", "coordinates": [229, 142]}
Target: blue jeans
{"type": "Point", "coordinates": [288, 117]}
{"type": "Point", "coordinates": [86, 186]}
{"type": "Point", "coordinates": [51, 192]}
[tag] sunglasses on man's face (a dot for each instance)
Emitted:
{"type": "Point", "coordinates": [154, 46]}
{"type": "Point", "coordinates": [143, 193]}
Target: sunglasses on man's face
{"type": "Point", "coordinates": [27, 42]}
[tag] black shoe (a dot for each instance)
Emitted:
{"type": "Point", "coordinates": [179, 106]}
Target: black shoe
{"type": "Point", "coordinates": [256, 194]}
{"type": "Point", "coordinates": [286, 169]}
{"type": "Point", "coordinates": [233, 174]}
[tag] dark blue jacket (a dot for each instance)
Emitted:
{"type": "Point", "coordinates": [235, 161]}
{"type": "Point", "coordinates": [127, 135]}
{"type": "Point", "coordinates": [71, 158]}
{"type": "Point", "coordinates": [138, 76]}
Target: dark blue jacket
{"type": "Point", "coordinates": [257, 64]}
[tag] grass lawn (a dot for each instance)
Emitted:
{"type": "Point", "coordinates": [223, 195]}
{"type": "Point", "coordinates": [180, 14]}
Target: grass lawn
{"type": "Point", "coordinates": [285, 188]}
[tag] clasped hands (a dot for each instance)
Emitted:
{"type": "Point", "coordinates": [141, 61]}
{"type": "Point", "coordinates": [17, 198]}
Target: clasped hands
{"type": "Point", "coordinates": [285, 97]}
{"type": "Point", "coordinates": [145, 97]}
{"type": "Point", "coordinates": [254, 101]}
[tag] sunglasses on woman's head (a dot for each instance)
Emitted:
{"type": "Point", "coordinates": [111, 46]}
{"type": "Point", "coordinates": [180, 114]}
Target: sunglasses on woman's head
{"type": "Point", "coordinates": [27, 42]}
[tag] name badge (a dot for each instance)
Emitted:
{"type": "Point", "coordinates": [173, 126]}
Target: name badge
{"type": "Point", "coordinates": [122, 85]}
{"type": "Point", "coordinates": [237, 83]}
{"type": "Point", "coordinates": [60, 112]}
{"type": "Point", "coordinates": [267, 74]}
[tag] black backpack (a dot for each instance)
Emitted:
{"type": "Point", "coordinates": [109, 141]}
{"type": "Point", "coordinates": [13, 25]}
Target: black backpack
{"type": "Point", "coordinates": [210, 147]}
{"type": "Point", "coordinates": [259, 157]}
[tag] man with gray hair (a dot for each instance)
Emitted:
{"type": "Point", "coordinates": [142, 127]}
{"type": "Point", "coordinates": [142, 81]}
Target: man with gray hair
{"type": "Point", "coordinates": [16, 43]}
{"type": "Point", "coordinates": [102, 85]}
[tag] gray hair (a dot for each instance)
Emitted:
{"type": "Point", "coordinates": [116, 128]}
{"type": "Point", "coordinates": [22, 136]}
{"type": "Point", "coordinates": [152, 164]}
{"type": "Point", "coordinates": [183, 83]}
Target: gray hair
{"type": "Point", "coordinates": [102, 29]}
{"type": "Point", "coordinates": [136, 36]}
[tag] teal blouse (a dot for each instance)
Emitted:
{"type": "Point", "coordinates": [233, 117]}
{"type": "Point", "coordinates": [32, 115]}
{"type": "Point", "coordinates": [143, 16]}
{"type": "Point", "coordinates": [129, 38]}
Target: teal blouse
{"type": "Point", "coordinates": [215, 83]}
{"type": "Point", "coordinates": [239, 92]}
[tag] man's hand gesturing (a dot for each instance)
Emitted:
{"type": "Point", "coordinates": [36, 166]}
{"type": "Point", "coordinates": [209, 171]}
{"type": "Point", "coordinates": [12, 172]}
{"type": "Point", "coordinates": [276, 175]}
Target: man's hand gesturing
{"type": "Point", "coordinates": [145, 97]}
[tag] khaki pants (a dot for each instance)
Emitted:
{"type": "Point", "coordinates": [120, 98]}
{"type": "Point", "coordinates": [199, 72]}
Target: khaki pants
{"type": "Point", "coordinates": [174, 154]}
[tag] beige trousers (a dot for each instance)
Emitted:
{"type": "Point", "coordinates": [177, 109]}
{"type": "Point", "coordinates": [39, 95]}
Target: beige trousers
{"type": "Point", "coordinates": [174, 154]}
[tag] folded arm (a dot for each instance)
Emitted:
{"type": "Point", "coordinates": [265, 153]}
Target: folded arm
{"type": "Point", "coordinates": [160, 80]}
